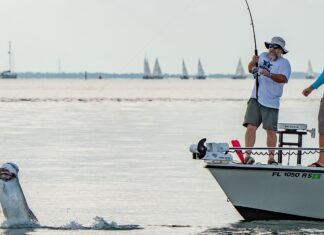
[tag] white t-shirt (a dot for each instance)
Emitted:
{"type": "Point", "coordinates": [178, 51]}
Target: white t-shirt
{"type": "Point", "coordinates": [269, 90]}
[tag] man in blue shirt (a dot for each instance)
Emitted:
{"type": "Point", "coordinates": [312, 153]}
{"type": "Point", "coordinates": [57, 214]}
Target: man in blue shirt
{"type": "Point", "coordinates": [319, 81]}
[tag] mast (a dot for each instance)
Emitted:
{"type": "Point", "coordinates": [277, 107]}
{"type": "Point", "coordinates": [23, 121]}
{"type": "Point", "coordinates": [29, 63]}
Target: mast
{"type": "Point", "coordinates": [9, 53]}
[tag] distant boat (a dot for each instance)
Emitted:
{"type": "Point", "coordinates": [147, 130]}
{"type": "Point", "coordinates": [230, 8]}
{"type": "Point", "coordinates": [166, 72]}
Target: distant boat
{"type": "Point", "coordinates": [147, 71]}
{"type": "Point", "coordinates": [310, 73]}
{"type": "Point", "coordinates": [201, 74]}
{"type": "Point", "coordinates": [157, 73]}
{"type": "Point", "coordinates": [8, 74]}
{"type": "Point", "coordinates": [184, 74]}
{"type": "Point", "coordinates": [239, 74]}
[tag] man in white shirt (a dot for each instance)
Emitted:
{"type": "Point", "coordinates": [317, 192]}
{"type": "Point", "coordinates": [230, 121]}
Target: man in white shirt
{"type": "Point", "coordinates": [263, 106]}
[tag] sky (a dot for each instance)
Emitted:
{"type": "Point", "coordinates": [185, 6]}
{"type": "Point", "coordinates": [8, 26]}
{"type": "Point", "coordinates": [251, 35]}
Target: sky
{"type": "Point", "coordinates": [114, 36]}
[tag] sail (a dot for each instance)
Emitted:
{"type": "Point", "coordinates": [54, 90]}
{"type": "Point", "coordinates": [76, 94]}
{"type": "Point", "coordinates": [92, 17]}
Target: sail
{"type": "Point", "coordinates": [147, 71]}
{"type": "Point", "coordinates": [239, 73]}
{"type": "Point", "coordinates": [310, 72]}
{"type": "Point", "coordinates": [157, 73]}
{"type": "Point", "coordinates": [240, 69]}
{"type": "Point", "coordinates": [201, 72]}
{"type": "Point", "coordinates": [184, 70]}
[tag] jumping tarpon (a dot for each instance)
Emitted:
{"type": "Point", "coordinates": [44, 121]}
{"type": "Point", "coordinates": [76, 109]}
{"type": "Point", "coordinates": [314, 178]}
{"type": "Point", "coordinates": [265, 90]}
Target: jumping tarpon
{"type": "Point", "coordinates": [12, 199]}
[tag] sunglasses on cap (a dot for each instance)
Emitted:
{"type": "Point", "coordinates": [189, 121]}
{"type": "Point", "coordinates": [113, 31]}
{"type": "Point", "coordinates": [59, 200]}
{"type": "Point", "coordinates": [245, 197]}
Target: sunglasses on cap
{"type": "Point", "coordinates": [274, 46]}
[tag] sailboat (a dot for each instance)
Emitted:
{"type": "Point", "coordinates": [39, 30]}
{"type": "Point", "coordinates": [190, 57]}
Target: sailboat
{"type": "Point", "coordinates": [147, 71]}
{"type": "Point", "coordinates": [8, 74]}
{"type": "Point", "coordinates": [184, 74]}
{"type": "Point", "coordinates": [157, 73]}
{"type": "Point", "coordinates": [239, 74]}
{"type": "Point", "coordinates": [201, 74]}
{"type": "Point", "coordinates": [310, 73]}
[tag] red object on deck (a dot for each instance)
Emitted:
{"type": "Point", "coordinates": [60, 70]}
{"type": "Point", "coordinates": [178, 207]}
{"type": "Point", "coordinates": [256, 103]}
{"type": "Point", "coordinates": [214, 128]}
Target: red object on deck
{"type": "Point", "coordinates": [239, 153]}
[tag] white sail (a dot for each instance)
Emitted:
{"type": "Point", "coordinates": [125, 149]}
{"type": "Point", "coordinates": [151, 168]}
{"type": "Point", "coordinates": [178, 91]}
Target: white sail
{"type": "Point", "coordinates": [310, 72]}
{"type": "Point", "coordinates": [147, 70]}
{"type": "Point", "coordinates": [157, 73]}
{"type": "Point", "coordinates": [239, 73]}
{"type": "Point", "coordinates": [201, 74]}
{"type": "Point", "coordinates": [185, 74]}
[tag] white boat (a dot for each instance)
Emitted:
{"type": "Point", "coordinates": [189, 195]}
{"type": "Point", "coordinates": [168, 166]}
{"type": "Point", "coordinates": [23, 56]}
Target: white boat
{"type": "Point", "coordinates": [200, 74]}
{"type": "Point", "coordinates": [8, 74]}
{"type": "Point", "coordinates": [310, 72]}
{"type": "Point", "coordinates": [266, 192]}
{"type": "Point", "coordinates": [147, 71]}
{"type": "Point", "coordinates": [239, 74]}
{"type": "Point", "coordinates": [157, 72]}
{"type": "Point", "coordinates": [184, 74]}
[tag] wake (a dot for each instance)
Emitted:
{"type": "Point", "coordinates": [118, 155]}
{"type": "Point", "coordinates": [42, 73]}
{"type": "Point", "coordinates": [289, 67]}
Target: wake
{"type": "Point", "coordinates": [99, 223]}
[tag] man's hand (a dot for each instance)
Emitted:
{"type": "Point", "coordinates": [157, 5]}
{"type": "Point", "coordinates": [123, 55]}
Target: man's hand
{"type": "Point", "coordinates": [265, 72]}
{"type": "Point", "coordinates": [307, 91]}
{"type": "Point", "coordinates": [255, 59]}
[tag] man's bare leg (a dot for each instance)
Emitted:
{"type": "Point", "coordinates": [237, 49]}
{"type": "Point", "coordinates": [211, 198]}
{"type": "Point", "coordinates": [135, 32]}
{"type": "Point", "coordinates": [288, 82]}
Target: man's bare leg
{"type": "Point", "coordinates": [250, 136]}
{"type": "Point", "coordinates": [321, 145]}
{"type": "Point", "coordinates": [271, 142]}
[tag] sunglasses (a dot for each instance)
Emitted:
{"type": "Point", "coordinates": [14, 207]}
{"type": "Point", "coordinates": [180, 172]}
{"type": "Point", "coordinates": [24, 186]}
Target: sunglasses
{"type": "Point", "coordinates": [274, 46]}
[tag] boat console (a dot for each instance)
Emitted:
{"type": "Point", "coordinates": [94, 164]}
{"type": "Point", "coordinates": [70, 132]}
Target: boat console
{"type": "Point", "coordinates": [292, 129]}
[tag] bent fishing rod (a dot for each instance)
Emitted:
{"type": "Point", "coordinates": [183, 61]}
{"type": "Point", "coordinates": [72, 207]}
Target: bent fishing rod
{"type": "Point", "coordinates": [256, 75]}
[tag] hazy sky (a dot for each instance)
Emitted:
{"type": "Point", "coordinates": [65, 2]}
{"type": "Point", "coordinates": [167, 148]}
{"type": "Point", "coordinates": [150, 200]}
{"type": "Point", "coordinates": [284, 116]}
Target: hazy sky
{"type": "Point", "coordinates": [115, 35]}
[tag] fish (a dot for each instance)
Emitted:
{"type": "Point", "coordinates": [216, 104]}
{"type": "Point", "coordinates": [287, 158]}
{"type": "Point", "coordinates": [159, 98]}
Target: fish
{"type": "Point", "coordinates": [12, 198]}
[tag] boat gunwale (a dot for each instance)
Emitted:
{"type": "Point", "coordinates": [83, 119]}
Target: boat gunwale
{"type": "Point", "coordinates": [265, 168]}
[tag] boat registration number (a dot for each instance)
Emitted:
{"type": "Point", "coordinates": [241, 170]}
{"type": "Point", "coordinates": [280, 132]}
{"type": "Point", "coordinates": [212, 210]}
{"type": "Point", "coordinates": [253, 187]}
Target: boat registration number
{"type": "Point", "coordinates": [296, 175]}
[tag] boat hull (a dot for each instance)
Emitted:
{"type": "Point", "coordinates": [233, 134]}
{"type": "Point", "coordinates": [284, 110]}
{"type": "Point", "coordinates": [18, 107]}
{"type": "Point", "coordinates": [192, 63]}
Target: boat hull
{"type": "Point", "coordinates": [265, 192]}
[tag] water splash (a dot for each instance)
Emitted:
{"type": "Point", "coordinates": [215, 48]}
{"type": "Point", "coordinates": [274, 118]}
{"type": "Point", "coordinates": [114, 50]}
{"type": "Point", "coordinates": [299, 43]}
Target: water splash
{"type": "Point", "coordinates": [99, 223]}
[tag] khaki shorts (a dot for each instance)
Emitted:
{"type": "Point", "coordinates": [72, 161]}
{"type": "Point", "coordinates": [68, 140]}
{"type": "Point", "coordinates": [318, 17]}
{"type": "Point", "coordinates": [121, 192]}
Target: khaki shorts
{"type": "Point", "coordinates": [256, 114]}
{"type": "Point", "coordinates": [321, 118]}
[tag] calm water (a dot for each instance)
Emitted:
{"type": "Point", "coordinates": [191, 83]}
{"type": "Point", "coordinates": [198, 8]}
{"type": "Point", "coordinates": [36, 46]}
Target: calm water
{"type": "Point", "coordinates": [118, 150]}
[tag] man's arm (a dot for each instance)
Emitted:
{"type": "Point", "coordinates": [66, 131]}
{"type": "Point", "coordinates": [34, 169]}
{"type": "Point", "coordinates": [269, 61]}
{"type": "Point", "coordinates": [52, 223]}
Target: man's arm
{"type": "Point", "coordinates": [253, 63]}
{"type": "Point", "coordinates": [274, 76]}
{"type": "Point", "coordinates": [319, 81]}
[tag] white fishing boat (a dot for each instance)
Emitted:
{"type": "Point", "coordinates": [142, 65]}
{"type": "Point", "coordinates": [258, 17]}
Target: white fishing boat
{"type": "Point", "coordinates": [157, 72]}
{"type": "Point", "coordinates": [268, 192]}
{"type": "Point", "coordinates": [239, 74]}
{"type": "Point", "coordinates": [147, 71]}
{"type": "Point", "coordinates": [8, 74]}
{"type": "Point", "coordinates": [201, 73]}
{"type": "Point", "coordinates": [184, 74]}
{"type": "Point", "coordinates": [310, 72]}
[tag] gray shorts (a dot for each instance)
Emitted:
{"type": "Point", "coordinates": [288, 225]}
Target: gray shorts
{"type": "Point", "coordinates": [321, 118]}
{"type": "Point", "coordinates": [256, 114]}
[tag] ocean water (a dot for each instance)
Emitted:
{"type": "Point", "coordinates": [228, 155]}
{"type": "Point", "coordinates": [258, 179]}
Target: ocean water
{"type": "Point", "coordinates": [111, 156]}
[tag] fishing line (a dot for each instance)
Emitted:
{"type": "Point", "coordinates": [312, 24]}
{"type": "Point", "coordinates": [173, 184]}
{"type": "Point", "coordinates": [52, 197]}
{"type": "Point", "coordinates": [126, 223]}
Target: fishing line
{"type": "Point", "coordinates": [256, 75]}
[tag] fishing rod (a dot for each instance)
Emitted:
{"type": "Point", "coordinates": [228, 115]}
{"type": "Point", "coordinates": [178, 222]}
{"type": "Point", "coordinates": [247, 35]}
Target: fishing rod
{"type": "Point", "coordinates": [256, 75]}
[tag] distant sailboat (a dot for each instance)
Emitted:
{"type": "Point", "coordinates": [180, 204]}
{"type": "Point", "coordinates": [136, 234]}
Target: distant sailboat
{"type": "Point", "coordinates": [239, 74]}
{"type": "Point", "coordinates": [310, 73]}
{"type": "Point", "coordinates": [184, 74]}
{"type": "Point", "coordinates": [8, 74]}
{"type": "Point", "coordinates": [157, 73]}
{"type": "Point", "coordinates": [147, 71]}
{"type": "Point", "coordinates": [201, 74]}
